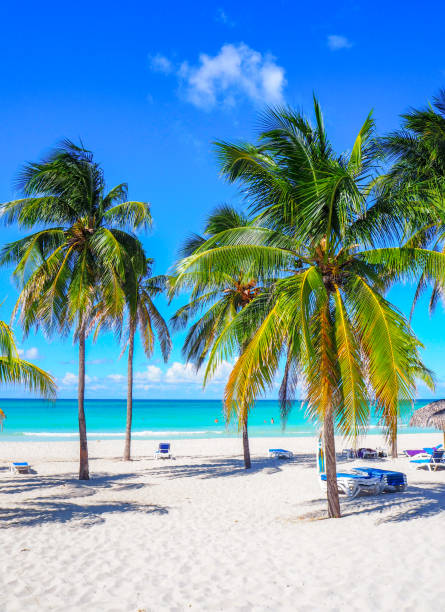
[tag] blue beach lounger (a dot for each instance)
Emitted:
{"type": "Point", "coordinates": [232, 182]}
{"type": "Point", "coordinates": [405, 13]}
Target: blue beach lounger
{"type": "Point", "coordinates": [280, 453]}
{"type": "Point", "coordinates": [431, 449]}
{"type": "Point", "coordinates": [19, 467]}
{"type": "Point", "coordinates": [432, 461]}
{"type": "Point", "coordinates": [349, 483]}
{"type": "Point", "coordinates": [163, 451]}
{"type": "Point", "coordinates": [390, 481]}
{"type": "Point", "coordinates": [427, 449]}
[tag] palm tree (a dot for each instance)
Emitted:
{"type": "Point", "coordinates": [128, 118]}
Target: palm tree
{"type": "Point", "coordinates": [321, 237]}
{"type": "Point", "coordinates": [78, 256]}
{"type": "Point", "coordinates": [416, 181]}
{"type": "Point", "coordinates": [224, 296]}
{"type": "Point", "coordinates": [14, 370]}
{"type": "Point", "coordinates": [142, 315]}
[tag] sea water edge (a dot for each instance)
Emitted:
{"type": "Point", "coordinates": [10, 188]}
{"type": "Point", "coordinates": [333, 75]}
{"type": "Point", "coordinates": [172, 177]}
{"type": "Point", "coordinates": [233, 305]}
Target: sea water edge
{"type": "Point", "coordinates": [38, 420]}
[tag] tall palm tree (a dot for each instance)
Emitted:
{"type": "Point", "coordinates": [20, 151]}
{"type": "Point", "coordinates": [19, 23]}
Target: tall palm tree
{"type": "Point", "coordinates": [142, 315]}
{"type": "Point", "coordinates": [79, 254]}
{"type": "Point", "coordinates": [17, 371]}
{"type": "Point", "coordinates": [327, 248]}
{"type": "Point", "coordinates": [224, 296]}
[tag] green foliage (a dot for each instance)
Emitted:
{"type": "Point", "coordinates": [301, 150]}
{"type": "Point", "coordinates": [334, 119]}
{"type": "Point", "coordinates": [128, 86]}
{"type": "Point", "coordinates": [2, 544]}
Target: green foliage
{"type": "Point", "coordinates": [416, 183]}
{"type": "Point", "coordinates": [219, 291]}
{"type": "Point", "coordinates": [322, 239]}
{"type": "Point", "coordinates": [85, 253]}
{"type": "Point", "coordinates": [17, 371]}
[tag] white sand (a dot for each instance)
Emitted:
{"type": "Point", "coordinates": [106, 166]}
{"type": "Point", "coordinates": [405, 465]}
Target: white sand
{"type": "Point", "coordinates": [201, 533]}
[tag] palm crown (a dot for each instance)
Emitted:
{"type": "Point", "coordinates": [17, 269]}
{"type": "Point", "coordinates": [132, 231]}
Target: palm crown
{"type": "Point", "coordinates": [83, 247]}
{"type": "Point", "coordinates": [223, 292]}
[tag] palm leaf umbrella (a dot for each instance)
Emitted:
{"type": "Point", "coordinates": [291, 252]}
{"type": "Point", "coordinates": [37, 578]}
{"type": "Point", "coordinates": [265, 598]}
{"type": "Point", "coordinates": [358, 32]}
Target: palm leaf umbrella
{"type": "Point", "coordinates": [431, 415]}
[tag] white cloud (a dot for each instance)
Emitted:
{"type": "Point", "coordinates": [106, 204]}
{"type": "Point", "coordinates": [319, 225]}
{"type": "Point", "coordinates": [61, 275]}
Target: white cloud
{"type": "Point", "coordinates": [183, 373]}
{"type": "Point", "coordinates": [116, 378]}
{"type": "Point", "coordinates": [70, 380]}
{"type": "Point", "coordinates": [151, 374]}
{"type": "Point", "coordinates": [160, 63]}
{"type": "Point", "coordinates": [180, 373]}
{"type": "Point", "coordinates": [222, 17]}
{"type": "Point", "coordinates": [143, 387]}
{"type": "Point", "coordinates": [31, 353]}
{"type": "Point", "coordinates": [235, 71]}
{"type": "Point", "coordinates": [336, 42]}
{"type": "Point", "coordinates": [152, 377]}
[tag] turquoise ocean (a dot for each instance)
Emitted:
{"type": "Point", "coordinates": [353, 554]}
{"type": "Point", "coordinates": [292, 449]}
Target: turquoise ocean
{"type": "Point", "coordinates": [38, 420]}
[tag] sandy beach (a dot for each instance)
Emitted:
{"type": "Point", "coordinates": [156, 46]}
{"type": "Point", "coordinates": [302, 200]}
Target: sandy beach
{"type": "Point", "coordinates": [201, 533]}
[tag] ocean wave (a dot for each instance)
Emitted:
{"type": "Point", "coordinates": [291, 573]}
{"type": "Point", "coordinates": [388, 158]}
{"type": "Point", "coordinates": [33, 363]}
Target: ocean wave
{"type": "Point", "coordinates": [175, 433]}
{"type": "Point", "coordinates": [120, 434]}
{"type": "Point", "coordinates": [49, 434]}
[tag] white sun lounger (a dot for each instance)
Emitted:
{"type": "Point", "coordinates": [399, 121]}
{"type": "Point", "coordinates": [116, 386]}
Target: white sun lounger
{"type": "Point", "coordinates": [348, 483]}
{"type": "Point", "coordinates": [432, 461]}
{"type": "Point", "coordinates": [19, 467]}
{"type": "Point", "coordinates": [280, 453]}
{"type": "Point", "coordinates": [163, 451]}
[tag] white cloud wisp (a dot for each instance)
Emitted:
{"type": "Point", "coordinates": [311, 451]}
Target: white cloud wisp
{"type": "Point", "coordinates": [336, 42]}
{"type": "Point", "coordinates": [234, 73]}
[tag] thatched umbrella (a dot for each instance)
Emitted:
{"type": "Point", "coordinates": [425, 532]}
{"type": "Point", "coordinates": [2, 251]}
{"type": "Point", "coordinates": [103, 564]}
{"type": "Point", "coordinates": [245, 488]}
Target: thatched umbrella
{"type": "Point", "coordinates": [431, 415]}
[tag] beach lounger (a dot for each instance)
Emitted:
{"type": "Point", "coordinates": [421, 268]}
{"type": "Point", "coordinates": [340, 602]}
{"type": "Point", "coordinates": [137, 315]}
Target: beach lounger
{"type": "Point", "coordinates": [349, 483]}
{"type": "Point", "coordinates": [363, 453]}
{"type": "Point", "coordinates": [163, 451]}
{"type": "Point", "coordinates": [352, 484]}
{"type": "Point", "coordinates": [280, 453]}
{"type": "Point", "coordinates": [390, 481]}
{"type": "Point", "coordinates": [367, 453]}
{"type": "Point", "coordinates": [431, 450]}
{"type": "Point", "coordinates": [19, 467]}
{"type": "Point", "coordinates": [419, 451]}
{"type": "Point", "coordinates": [432, 461]}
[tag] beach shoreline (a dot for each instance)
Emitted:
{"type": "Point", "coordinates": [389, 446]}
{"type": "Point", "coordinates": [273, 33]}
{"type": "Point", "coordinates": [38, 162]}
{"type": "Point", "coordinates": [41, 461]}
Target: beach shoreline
{"type": "Point", "coordinates": [218, 445]}
{"type": "Point", "coordinates": [200, 532]}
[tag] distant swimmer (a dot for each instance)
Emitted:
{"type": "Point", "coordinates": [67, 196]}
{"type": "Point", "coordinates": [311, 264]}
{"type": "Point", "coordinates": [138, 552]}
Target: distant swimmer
{"type": "Point", "coordinates": [216, 420]}
{"type": "Point", "coordinates": [272, 421]}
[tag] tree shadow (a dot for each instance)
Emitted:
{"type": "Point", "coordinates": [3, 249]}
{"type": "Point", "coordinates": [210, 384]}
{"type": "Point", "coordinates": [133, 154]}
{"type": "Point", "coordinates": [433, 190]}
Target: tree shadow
{"type": "Point", "coordinates": [35, 513]}
{"type": "Point", "coordinates": [425, 499]}
{"type": "Point", "coordinates": [422, 500]}
{"type": "Point", "coordinates": [27, 483]}
{"type": "Point", "coordinates": [224, 467]}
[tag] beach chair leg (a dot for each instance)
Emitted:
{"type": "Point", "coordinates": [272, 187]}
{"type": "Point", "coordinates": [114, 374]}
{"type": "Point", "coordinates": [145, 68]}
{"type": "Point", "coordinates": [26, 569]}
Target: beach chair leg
{"type": "Point", "coordinates": [353, 492]}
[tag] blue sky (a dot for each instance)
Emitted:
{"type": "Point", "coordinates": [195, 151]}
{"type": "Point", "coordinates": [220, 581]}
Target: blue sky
{"type": "Point", "coordinates": [148, 86]}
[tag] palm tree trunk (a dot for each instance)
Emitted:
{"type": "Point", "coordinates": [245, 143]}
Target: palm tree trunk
{"type": "Point", "coordinates": [246, 449]}
{"type": "Point", "coordinates": [83, 459]}
{"type": "Point", "coordinates": [394, 453]}
{"type": "Point", "coordinates": [127, 449]}
{"type": "Point", "coordinates": [331, 465]}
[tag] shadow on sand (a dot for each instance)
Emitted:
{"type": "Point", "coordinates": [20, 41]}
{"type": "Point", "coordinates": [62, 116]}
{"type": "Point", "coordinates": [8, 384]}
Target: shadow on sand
{"type": "Point", "coordinates": [224, 467]}
{"type": "Point", "coordinates": [56, 505]}
{"type": "Point", "coordinates": [424, 499]}
{"type": "Point", "coordinates": [35, 513]}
